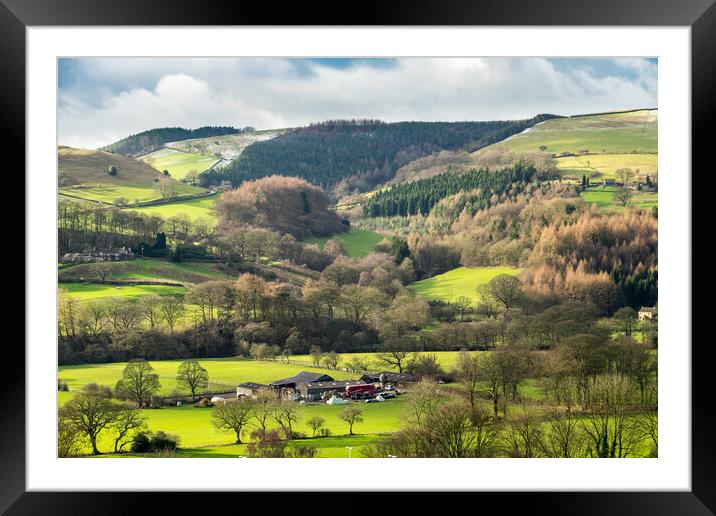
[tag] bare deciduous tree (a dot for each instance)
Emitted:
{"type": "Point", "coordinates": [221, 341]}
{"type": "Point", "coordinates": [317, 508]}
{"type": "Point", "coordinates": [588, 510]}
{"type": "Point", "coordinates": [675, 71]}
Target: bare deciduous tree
{"type": "Point", "coordinates": [233, 416]}
{"type": "Point", "coordinates": [315, 423]}
{"type": "Point", "coordinates": [139, 381]}
{"type": "Point", "coordinates": [192, 375]}
{"type": "Point", "coordinates": [351, 415]}
{"type": "Point", "coordinates": [172, 310]}
{"type": "Point", "coordinates": [128, 422]}
{"type": "Point", "coordinates": [421, 401]}
{"type": "Point", "coordinates": [90, 415]}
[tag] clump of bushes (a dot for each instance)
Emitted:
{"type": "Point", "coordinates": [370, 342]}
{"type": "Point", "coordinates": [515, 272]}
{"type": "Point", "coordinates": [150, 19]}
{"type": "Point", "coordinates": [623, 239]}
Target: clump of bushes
{"type": "Point", "coordinates": [269, 445]}
{"type": "Point", "coordinates": [302, 452]}
{"type": "Point", "coordinates": [158, 442]}
{"type": "Point", "coordinates": [62, 386]}
{"type": "Point", "coordinates": [203, 402]}
{"type": "Point", "coordinates": [101, 391]}
{"type": "Point", "coordinates": [187, 252]}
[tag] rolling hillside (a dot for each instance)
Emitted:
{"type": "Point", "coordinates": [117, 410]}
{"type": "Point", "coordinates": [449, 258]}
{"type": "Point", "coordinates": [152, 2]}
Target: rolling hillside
{"type": "Point", "coordinates": [177, 162]}
{"type": "Point", "coordinates": [192, 208]}
{"type": "Point", "coordinates": [359, 154]}
{"type": "Point", "coordinates": [595, 145]}
{"type": "Point", "coordinates": [226, 147]}
{"type": "Point", "coordinates": [153, 139]}
{"type": "Point", "coordinates": [201, 154]}
{"type": "Point", "coordinates": [84, 174]}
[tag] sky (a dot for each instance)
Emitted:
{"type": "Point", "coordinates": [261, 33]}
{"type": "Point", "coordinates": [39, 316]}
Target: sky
{"type": "Point", "coordinates": [101, 100]}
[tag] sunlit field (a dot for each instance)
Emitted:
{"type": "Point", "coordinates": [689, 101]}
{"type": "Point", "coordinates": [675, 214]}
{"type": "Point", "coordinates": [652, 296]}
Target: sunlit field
{"type": "Point", "coordinates": [459, 282]}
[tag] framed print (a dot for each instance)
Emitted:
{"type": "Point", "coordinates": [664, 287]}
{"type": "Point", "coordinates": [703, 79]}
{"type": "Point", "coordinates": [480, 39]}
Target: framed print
{"type": "Point", "coordinates": [420, 252]}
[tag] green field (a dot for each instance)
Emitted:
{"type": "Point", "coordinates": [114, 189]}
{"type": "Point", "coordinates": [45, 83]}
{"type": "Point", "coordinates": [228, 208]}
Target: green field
{"type": "Point", "coordinates": [459, 282]}
{"type": "Point", "coordinates": [148, 269]}
{"type": "Point", "coordinates": [447, 359]}
{"type": "Point", "coordinates": [84, 173]}
{"type": "Point", "coordinates": [87, 292]}
{"type": "Point", "coordinates": [357, 242]}
{"type": "Point", "coordinates": [328, 447]}
{"type": "Point", "coordinates": [612, 133]}
{"type": "Point", "coordinates": [193, 208]}
{"type": "Point", "coordinates": [194, 427]}
{"type": "Point", "coordinates": [178, 163]}
{"type": "Point", "coordinates": [603, 196]}
{"type": "Point", "coordinates": [199, 438]}
{"type": "Point", "coordinates": [109, 193]}
{"type": "Point", "coordinates": [224, 373]}
{"type": "Point", "coordinates": [604, 166]}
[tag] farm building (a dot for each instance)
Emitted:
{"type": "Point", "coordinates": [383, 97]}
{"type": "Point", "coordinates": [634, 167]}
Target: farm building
{"type": "Point", "coordinates": [302, 377]}
{"type": "Point", "coordinates": [387, 377]}
{"type": "Point", "coordinates": [249, 389]}
{"type": "Point", "coordinates": [314, 390]}
{"type": "Point", "coordinates": [648, 313]}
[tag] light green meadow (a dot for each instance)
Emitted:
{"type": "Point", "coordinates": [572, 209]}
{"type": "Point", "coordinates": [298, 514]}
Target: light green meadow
{"type": "Point", "coordinates": [460, 282]}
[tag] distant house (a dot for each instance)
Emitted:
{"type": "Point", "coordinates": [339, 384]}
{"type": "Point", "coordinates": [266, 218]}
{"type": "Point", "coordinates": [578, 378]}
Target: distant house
{"type": "Point", "coordinates": [609, 182]}
{"type": "Point", "coordinates": [387, 377]}
{"type": "Point", "coordinates": [648, 313]}
{"type": "Point", "coordinates": [302, 377]}
{"type": "Point", "coordinates": [315, 390]}
{"type": "Point", "coordinates": [250, 389]}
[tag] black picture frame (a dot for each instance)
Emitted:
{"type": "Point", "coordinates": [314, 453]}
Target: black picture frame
{"type": "Point", "coordinates": [700, 15]}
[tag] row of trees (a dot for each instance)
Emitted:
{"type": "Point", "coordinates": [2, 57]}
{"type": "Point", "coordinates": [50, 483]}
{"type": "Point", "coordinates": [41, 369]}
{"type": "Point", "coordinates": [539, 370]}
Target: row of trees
{"type": "Point", "coordinates": [268, 408]}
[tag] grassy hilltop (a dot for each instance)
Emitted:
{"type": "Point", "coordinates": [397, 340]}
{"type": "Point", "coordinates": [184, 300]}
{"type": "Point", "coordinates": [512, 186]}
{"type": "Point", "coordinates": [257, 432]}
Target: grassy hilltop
{"type": "Point", "coordinates": [85, 174]}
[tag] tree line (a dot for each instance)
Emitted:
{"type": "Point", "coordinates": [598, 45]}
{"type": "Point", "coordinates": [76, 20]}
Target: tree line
{"type": "Point", "coordinates": [354, 305]}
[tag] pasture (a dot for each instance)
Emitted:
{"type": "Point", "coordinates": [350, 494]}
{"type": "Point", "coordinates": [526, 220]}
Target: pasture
{"type": "Point", "coordinates": [85, 174]}
{"type": "Point", "coordinates": [611, 133]}
{"type": "Point", "coordinates": [357, 242]}
{"type": "Point", "coordinates": [90, 291]}
{"type": "Point", "coordinates": [108, 193]}
{"type": "Point", "coordinates": [195, 430]}
{"type": "Point", "coordinates": [224, 373]}
{"type": "Point", "coordinates": [459, 282]}
{"type": "Point", "coordinates": [192, 208]}
{"type": "Point", "coordinates": [198, 436]}
{"type": "Point", "coordinates": [328, 447]}
{"type": "Point", "coordinates": [603, 196]}
{"type": "Point", "coordinates": [604, 166]}
{"type": "Point", "coordinates": [148, 269]}
{"type": "Point", "coordinates": [178, 163]}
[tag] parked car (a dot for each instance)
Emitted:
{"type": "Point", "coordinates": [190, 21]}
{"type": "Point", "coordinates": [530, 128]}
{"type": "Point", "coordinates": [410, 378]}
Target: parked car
{"type": "Point", "coordinates": [371, 400]}
{"type": "Point", "coordinates": [387, 394]}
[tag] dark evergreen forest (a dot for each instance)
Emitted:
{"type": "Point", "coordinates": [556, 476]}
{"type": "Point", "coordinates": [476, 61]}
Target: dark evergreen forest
{"type": "Point", "coordinates": [327, 153]}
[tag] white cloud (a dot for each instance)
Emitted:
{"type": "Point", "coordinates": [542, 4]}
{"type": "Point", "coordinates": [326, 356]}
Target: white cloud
{"type": "Point", "coordinates": [112, 98]}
